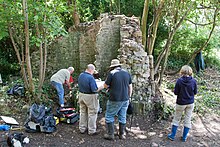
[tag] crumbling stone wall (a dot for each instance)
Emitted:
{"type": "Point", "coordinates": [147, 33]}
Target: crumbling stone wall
{"type": "Point", "coordinates": [107, 42]}
{"type": "Point", "coordinates": [98, 42]}
{"type": "Point", "coordinates": [77, 49]}
{"type": "Point", "coordinates": [120, 37]}
{"type": "Point", "coordinates": [133, 56]}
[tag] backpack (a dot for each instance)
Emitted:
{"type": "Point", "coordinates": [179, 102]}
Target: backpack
{"type": "Point", "coordinates": [40, 119]}
{"type": "Point", "coordinates": [17, 90]}
{"type": "Point", "coordinates": [130, 109]}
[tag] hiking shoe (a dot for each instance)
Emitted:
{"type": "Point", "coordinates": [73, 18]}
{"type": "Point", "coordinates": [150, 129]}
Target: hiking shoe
{"type": "Point", "coordinates": [83, 132]}
{"type": "Point", "coordinates": [122, 136]}
{"type": "Point", "coordinates": [109, 137]}
{"type": "Point", "coordinates": [95, 133]}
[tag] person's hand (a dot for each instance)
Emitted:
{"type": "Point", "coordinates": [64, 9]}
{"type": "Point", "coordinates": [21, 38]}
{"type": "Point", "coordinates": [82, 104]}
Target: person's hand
{"type": "Point", "coordinates": [100, 88]}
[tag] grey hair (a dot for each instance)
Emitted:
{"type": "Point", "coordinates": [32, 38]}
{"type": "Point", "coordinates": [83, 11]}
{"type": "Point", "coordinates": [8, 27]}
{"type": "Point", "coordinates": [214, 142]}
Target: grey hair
{"type": "Point", "coordinates": [90, 67]}
{"type": "Point", "coordinates": [71, 69]}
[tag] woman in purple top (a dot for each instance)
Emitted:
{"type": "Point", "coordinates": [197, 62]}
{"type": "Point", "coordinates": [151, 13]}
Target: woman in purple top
{"type": "Point", "coordinates": [185, 89]}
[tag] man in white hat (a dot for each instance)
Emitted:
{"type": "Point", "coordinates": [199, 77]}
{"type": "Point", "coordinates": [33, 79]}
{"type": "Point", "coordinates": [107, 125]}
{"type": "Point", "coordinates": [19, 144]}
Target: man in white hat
{"type": "Point", "coordinates": [57, 81]}
{"type": "Point", "coordinates": [120, 87]}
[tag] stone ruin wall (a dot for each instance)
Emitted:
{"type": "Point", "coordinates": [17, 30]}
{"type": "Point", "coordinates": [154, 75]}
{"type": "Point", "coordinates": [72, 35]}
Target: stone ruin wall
{"type": "Point", "coordinates": [77, 49]}
{"type": "Point", "coordinates": [132, 55]}
{"type": "Point", "coordinates": [98, 42]}
{"type": "Point", "coordinates": [107, 42]}
{"type": "Point", "coordinates": [120, 37]}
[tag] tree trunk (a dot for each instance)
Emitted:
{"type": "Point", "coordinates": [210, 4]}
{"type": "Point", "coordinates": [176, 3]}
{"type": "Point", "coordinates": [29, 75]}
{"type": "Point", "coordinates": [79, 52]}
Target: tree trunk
{"type": "Point", "coordinates": [152, 81]}
{"type": "Point", "coordinates": [75, 14]}
{"type": "Point", "coordinates": [119, 7]}
{"type": "Point", "coordinates": [20, 61]}
{"type": "Point", "coordinates": [167, 50]}
{"type": "Point", "coordinates": [167, 46]}
{"type": "Point", "coordinates": [43, 57]}
{"type": "Point", "coordinates": [27, 53]}
{"type": "Point", "coordinates": [152, 31]}
{"type": "Point", "coordinates": [111, 7]}
{"type": "Point", "coordinates": [144, 22]}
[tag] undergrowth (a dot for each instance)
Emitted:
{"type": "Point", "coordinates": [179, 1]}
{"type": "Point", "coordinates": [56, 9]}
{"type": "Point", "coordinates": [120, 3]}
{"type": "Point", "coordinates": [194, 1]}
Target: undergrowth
{"type": "Point", "coordinates": [207, 100]}
{"type": "Point", "coordinates": [208, 97]}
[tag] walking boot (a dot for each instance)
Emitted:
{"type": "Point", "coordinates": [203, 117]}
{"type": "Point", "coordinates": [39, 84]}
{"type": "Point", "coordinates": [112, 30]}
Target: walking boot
{"type": "Point", "coordinates": [173, 132]}
{"type": "Point", "coordinates": [122, 131]}
{"type": "Point", "coordinates": [110, 130]}
{"type": "Point", "coordinates": [185, 132]}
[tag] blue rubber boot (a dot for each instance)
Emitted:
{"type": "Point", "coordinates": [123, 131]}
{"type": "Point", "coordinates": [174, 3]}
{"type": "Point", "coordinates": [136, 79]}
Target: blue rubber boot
{"type": "Point", "coordinates": [185, 132]}
{"type": "Point", "coordinates": [173, 133]}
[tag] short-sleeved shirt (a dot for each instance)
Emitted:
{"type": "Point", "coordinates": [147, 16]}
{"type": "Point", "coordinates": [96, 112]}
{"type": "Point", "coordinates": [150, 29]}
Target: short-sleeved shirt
{"type": "Point", "coordinates": [61, 76]}
{"type": "Point", "coordinates": [118, 81]}
{"type": "Point", "coordinates": [87, 83]}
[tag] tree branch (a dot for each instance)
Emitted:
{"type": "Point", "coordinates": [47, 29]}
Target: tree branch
{"type": "Point", "coordinates": [204, 45]}
{"type": "Point", "coordinates": [207, 41]}
{"type": "Point", "coordinates": [200, 24]}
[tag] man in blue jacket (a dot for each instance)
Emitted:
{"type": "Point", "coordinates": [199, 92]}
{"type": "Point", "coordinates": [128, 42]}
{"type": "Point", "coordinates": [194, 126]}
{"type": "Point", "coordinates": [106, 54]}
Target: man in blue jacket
{"type": "Point", "coordinates": [88, 101]}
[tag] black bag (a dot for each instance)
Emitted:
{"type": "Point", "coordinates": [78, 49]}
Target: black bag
{"type": "Point", "coordinates": [17, 139]}
{"type": "Point", "coordinates": [130, 109]}
{"type": "Point", "coordinates": [40, 119]}
{"type": "Point", "coordinates": [17, 90]}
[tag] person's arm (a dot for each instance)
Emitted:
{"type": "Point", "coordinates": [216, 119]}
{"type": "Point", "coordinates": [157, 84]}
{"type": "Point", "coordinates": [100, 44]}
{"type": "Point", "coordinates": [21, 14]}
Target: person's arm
{"type": "Point", "coordinates": [130, 87]}
{"type": "Point", "coordinates": [176, 88]}
{"type": "Point", "coordinates": [68, 84]}
{"type": "Point", "coordinates": [67, 78]}
{"type": "Point", "coordinates": [130, 90]}
{"type": "Point", "coordinates": [108, 79]}
{"type": "Point", "coordinates": [102, 87]}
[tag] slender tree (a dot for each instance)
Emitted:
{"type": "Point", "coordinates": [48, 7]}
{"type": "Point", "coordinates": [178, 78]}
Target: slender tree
{"type": "Point", "coordinates": [144, 22]}
{"type": "Point", "coordinates": [27, 49]}
{"type": "Point", "coordinates": [33, 29]}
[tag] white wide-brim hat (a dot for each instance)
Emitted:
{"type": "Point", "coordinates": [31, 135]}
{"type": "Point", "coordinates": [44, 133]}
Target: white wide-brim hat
{"type": "Point", "coordinates": [115, 62]}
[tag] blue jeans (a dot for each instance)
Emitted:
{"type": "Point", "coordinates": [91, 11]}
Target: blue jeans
{"type": "Point", "coordinates": [114, 108]}
{"type": "Point", "coordinates": [60, 91]}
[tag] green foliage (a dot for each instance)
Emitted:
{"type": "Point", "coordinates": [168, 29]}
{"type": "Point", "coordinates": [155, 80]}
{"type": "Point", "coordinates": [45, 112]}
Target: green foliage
{"type": "Point", "coordinates": [90, 10]}
{"type": "Point", "coordinates": [186, 41]}
{"type": "Point", "coordinates": [162, 111]}
{"type": "Point", "coordinates": [208, 102]}
{"type": "Point", "coordinates": [208, 97]}
{"type": "Point", "coordinates": [170, 86]}
{"type": "Point", "coordinates": [213, 62]}
{"type": "Point", "coordinates": [11, 104]}
{"type": "Point", "coordinates": [132, 7]}
{"type": "Point", "coordinates": [8, 60]}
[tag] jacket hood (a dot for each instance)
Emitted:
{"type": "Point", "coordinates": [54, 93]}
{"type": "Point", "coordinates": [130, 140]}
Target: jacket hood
{"type": "Point", "coordinates": [186, 80]}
